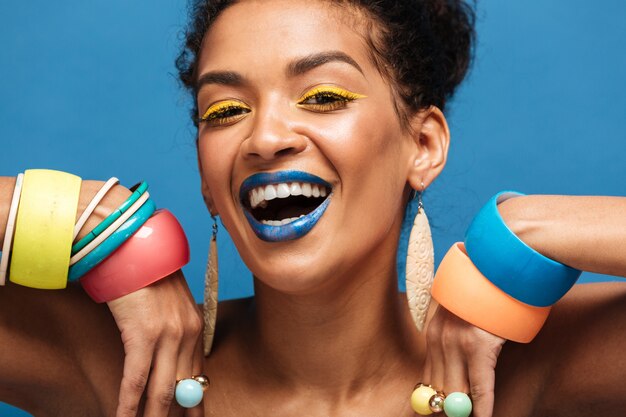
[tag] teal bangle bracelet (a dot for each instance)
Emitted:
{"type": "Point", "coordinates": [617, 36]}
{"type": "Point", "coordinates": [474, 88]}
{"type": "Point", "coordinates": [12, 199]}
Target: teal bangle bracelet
{"type": "Point", "coordinates": [110, 244]}
{"type": "Point", "coordinates": [512, 265]}
{"type": "Point", "coordinates": [138, 190]}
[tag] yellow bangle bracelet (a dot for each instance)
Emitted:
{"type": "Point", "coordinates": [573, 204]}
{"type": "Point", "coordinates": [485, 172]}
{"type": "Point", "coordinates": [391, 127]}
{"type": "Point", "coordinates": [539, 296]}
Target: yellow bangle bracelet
{"type": "Point", "coordinates": [44, 229]}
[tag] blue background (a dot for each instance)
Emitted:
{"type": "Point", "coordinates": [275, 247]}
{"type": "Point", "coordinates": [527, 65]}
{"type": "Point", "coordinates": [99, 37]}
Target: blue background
{"type": "Point", "coordinates": [90, 88]}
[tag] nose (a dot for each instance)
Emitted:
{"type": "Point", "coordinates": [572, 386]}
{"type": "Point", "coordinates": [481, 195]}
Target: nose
{"type": "Point", "coordinates": [273, 136]}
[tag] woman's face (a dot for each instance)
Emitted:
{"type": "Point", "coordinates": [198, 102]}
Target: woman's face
{"type": "Point", "coordinates": [290, 99]}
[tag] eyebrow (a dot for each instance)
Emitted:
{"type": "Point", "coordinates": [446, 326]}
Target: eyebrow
{"type": "Point", "coordinates": [310, 62]}
{"type": "Point", "coordinates": [297, 67]}
{"type": "Point", "coordinates": [219, 77]}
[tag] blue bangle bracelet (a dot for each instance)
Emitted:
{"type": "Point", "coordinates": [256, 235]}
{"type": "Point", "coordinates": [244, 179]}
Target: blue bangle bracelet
{"type": "Point", "coordinates": [110, 244]}
{"type": "Point", "coordinates": [510, 264]}
{"type": "Point", "coordinates": [138, 190]}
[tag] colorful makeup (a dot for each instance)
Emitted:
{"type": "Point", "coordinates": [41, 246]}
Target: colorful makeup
{"type": "Point", "coordinates": [284, 205]}
{"type": "Point", "coordinates": [327, 98]}
{"type": "Point", "coordinates": [225, 112]}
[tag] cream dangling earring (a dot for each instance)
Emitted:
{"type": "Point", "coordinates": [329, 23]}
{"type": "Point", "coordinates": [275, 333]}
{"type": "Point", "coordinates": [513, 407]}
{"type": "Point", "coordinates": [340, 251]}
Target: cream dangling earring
{"type": "Point", "coordinates": [420, 265]}
{"type": "Point", "coordinates": [209, 310]}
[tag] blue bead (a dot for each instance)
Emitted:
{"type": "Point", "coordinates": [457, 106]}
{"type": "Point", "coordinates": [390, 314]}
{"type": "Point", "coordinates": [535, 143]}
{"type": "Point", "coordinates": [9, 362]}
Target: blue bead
{"type": "Point", "coordinates": [188, 393]}
{"type": "Point", "coordinates": [457, 404]}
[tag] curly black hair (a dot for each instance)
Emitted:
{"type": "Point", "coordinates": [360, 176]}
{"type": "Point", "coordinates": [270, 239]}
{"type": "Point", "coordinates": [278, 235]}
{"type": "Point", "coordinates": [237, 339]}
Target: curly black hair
{"type": "Point", "coordinates": [424, 47]}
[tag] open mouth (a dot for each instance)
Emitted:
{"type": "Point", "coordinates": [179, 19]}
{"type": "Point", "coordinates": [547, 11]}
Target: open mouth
{"type": "Point", "coordinates": [272, 201]}
{"type": "Point", "coordinates": [278, 204]}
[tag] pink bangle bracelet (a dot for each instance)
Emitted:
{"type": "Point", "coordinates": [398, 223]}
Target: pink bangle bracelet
{"type": "Point", "coordinates": [158, 249]}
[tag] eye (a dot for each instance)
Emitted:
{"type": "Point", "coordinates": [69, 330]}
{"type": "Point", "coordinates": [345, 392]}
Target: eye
{"type": "Point", "coordinates": [224, 113]}
{"type": "Point", "coordinates": [327, 98]}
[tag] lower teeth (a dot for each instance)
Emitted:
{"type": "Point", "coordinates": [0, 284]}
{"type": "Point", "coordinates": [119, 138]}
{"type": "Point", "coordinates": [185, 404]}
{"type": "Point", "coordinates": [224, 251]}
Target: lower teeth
{"type": "Point", "coordinates": [280, 222]}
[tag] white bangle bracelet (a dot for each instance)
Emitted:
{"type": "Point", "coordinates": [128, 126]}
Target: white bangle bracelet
{"type": "Point", "coordinates": [93, 204]}
{"type": "Point", "coordinates": [109, 230]}
{"type": "Point", "coordinates": [8, 235]}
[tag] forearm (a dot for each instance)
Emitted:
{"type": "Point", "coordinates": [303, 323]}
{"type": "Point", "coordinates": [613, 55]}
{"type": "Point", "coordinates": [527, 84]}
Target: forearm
{"type": "Point", "coordinates": [587, 233]}
{"type": "Point", "coordinates": [88, 190]}
{"type": "Point", "coordinates": [54, 342]}
{"type": "Point", "coordinates": [24, 328]}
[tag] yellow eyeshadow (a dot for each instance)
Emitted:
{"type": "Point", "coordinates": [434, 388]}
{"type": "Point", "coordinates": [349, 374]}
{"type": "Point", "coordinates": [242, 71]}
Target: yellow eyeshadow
{"type": "Point", "coordinates": [215, 109]}
{"type": "Point", "coordinates": [330, 90]}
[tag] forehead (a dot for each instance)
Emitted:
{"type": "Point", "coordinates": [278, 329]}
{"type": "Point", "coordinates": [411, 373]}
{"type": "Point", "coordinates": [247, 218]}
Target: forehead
{"type": "Point", "coordinates": [258, 34]}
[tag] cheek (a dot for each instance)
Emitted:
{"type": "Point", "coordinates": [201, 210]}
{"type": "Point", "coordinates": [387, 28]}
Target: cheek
{"type": "Point", "coordinates": [369, 154]}
{"type": "Point", "coordinates": [368, 149]}
{"type": "Point", "coordinates": [216, 163]}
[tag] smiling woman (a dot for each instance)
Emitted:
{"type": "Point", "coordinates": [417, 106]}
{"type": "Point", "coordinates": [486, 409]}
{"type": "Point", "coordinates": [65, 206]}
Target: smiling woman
{"type": "Point", "coordinates": [348, 98]}
{"type": "Point", "coordinates": [317, 122]}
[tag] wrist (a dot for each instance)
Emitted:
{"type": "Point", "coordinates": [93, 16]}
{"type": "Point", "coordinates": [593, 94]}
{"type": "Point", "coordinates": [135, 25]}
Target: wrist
{"type": "Point", "coordinates": [116, 196]}
{"type": "Point", "coordinates": [111, 201]}
{"type": "Point", "coordinates": [7, 185]}
{"type": "Point", "coordinates": [522, 218]}
{"type": "Point", "coordinates": [511, 264]}
{"type": "Point", "coordinates": [534, 219]}
{"type": "Point", "coordinates": [156, 250]}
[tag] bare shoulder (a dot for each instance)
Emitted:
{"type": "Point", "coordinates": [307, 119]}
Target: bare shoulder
{"type": "Point", "coordinates": [234, 309]}
{"type": "Point", "coordinates": [233, 320]}
{"type": "Point", "coordinates": [232, 315]}
{"type": "Point", "coordinates": [576, 365]}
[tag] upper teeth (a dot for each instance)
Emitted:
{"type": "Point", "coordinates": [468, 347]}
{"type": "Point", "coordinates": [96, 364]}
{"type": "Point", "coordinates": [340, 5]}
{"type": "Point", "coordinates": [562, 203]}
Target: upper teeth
{"type": "Point", "coordinates": [260, 195]}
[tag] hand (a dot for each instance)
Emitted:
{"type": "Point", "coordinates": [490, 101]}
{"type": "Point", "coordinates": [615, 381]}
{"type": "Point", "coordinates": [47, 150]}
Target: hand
{"type": "Point", "coordinates": [161, 329]}
{"type": "Point", "coordinates": [462, 357]}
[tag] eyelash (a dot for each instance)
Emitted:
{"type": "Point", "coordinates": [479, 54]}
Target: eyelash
{"type": "Point", "coordinates": [339, 99]}
{"type": "Point", "coordinates": [329, 98]}
{"type": "Point", "coordinates": [224, 113]}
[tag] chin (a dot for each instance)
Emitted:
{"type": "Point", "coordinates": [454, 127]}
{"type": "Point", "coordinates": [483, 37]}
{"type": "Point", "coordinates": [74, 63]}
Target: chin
{"type": "Point", "coordinates": [297, 283]}
{"type": "Point", "coordinates": [292, 269]}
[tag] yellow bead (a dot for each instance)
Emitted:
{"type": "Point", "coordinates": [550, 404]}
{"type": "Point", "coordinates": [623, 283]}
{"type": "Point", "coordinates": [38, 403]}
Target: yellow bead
{"type": "Point", "coordinates": [420, 399]}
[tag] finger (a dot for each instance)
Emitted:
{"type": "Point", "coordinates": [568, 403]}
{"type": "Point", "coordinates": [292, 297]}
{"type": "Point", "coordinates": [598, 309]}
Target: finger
{"type": "Point", "coordinates": [198, 369]}
{"type": "Point", "coordinates": [482, 378]}
{"type": "Point", "coordinates": [162, 384]}
{"type": "Point", "coordinates": [427, 371]}
{"type": "Point", "coordinates": [436, 358]}
{"type": "Point", "coordinates": [456, 375]}
{"type": "Point", "coordinates": [197, 356]}
{"type": "Point", "coordinates": [134, 379]}
{"type": "Point", "coordinates": [185, 366]}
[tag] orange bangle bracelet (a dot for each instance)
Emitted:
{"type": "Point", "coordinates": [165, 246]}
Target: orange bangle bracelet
{"type": "Point", "coordinates": [463, 290]}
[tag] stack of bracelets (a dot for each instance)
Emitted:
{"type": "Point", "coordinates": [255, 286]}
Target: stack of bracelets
{"type": "Point", "coordinates": [494, 281]}
{"type": "Point", "coordinates": [130, 249]}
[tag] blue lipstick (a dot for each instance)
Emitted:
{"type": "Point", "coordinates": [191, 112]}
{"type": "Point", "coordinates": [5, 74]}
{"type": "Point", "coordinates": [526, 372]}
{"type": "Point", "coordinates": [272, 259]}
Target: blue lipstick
{"type": "Point", "coordinates": [290, 231]}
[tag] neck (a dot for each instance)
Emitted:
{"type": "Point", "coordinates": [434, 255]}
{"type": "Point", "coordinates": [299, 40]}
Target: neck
{"type": "Point", "coordinates": [354, 335]}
